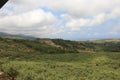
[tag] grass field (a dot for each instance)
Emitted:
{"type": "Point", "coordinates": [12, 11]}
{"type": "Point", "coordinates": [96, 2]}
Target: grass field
{"type": "Point", "coordinates": [68, 66]}
{"type": "Point", "coordinates": [57, 59]}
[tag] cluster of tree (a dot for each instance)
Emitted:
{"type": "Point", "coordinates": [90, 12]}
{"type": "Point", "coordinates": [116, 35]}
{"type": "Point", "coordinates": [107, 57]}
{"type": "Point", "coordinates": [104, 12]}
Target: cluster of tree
{"type": "Point", "coordinates": [109, 46]}
{"type": "Point", "coordinates": [66, 46]}
{"type": "Point", "coordinates": [88, 45]}
{"type": "Point", "coordinates": [39, 46]}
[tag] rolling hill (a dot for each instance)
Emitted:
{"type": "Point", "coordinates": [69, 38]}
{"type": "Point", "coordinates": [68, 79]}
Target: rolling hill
{"type": "Point", "coordinates": [19, 36]}
{"type": "Point", "coordinates": [57, 45]}
{"type": "Point", "coordinates": [58, 59]}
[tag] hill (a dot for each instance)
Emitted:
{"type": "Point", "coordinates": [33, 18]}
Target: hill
{"type": "Point", "coordinates": [19, 36]}
{"type": "Point", "coordinates": [57, 46]}
{"type": "Point", "coordinates": [58, 59]}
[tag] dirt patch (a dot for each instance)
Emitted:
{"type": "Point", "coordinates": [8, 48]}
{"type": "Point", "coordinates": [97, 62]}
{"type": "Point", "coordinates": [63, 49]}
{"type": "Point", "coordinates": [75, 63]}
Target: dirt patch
{"type": "Point", "coordinates": [49, 42]}
{"type": "Point", "coordinates": [3, 76]}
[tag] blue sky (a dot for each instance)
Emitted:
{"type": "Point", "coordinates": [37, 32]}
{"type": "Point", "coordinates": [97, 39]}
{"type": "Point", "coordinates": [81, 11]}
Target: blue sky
{"type": "Point", "coordinates": [67, 19]}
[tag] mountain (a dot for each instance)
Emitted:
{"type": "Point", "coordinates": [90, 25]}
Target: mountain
{"type": "Point", "coordinates": [18, 36]}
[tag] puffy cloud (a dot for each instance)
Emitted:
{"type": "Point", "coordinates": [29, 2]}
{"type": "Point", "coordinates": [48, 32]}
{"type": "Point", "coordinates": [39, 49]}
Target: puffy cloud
{"type": "Point", "coordinates": [35, 22]}
{"type": "Point", "coordinates": [74, 7]}
{"type": "Point", "coordinates": [29, 17]}
{"type": "Point", "coordinates": [77, 23]}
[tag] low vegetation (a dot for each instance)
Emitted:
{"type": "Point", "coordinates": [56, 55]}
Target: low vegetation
{"type": "Point", "coordinates": [59, 59]}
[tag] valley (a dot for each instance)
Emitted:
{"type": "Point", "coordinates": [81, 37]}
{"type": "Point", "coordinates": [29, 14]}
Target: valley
{"type": "Point", "coordinates": [58, 59]}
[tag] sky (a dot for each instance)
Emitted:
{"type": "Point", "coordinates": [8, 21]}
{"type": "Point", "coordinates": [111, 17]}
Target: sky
{"type": "Point", "coordinates": [66, 19]}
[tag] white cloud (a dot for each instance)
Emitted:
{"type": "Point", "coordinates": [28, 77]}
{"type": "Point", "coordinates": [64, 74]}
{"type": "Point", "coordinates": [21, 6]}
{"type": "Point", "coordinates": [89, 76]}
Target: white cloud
{"type": "Point", "coordinates": [77, 23]}
{"type": "Point", "coordinates": [35, 22]}
{"type": "Point", "coordinates": [27, 17]}
{"type": "Point", "coordinates": [76, 8]}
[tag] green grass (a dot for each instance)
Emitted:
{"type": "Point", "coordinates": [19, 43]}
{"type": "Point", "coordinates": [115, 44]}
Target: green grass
{"type": "Point", "coordinates": [79, 66]}
{"type": "Point", "coordinates": [36, 60]}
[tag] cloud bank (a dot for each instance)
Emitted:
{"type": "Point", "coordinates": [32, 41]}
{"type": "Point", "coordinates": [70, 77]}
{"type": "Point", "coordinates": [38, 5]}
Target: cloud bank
{"type": "Point", "coordinates": [31, 17]}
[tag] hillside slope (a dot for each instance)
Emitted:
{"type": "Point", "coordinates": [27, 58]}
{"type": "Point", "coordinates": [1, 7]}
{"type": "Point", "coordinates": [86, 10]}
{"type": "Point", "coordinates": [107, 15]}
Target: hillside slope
{"type": "Point", "coordinates": [19, 36]}
{"type": "Point", "coordinates": [56, 46]}
{"type": "Point", "coordinates": [57, 59]}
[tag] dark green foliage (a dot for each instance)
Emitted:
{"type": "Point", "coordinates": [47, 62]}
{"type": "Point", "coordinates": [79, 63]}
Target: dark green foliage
{"type": "Point", "coordinates": [111, 46]}
{"type": "Point", "coordinates": [62, 46]}
{"type": "Point", "coordinates": [89, 45]}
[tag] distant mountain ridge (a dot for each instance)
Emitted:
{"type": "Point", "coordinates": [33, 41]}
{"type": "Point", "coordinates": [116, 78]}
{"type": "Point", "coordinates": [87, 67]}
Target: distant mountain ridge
{"type": "Point", "coordinates": [22, 36]}
{"type": "Point", "coordinates": [19, 36]}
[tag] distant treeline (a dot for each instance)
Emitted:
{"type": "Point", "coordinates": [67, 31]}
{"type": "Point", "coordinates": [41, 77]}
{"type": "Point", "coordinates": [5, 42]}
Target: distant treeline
{"type": "Point", "coordinates": [60, 46]}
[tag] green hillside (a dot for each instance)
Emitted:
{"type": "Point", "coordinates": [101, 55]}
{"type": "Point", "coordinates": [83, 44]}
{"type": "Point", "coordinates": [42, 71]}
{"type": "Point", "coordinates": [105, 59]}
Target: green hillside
{"type": "Point", "coordinates": [18, 36]}
{"type": "Point", "coordinates": [57, 46]}
{"type": "Point", "coordinates": [58, 59]}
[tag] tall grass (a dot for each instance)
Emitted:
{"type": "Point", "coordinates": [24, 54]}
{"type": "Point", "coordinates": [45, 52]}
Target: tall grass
{"type": "Point", "coordinates": [99, 66]}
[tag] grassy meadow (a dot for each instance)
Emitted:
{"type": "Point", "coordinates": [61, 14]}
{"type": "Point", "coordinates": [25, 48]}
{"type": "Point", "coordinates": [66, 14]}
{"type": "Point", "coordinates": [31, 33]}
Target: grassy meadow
{"type": "Point", "coordinates": [20, 62]}
{"type": "Point", "coordinates": [82, 66]}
